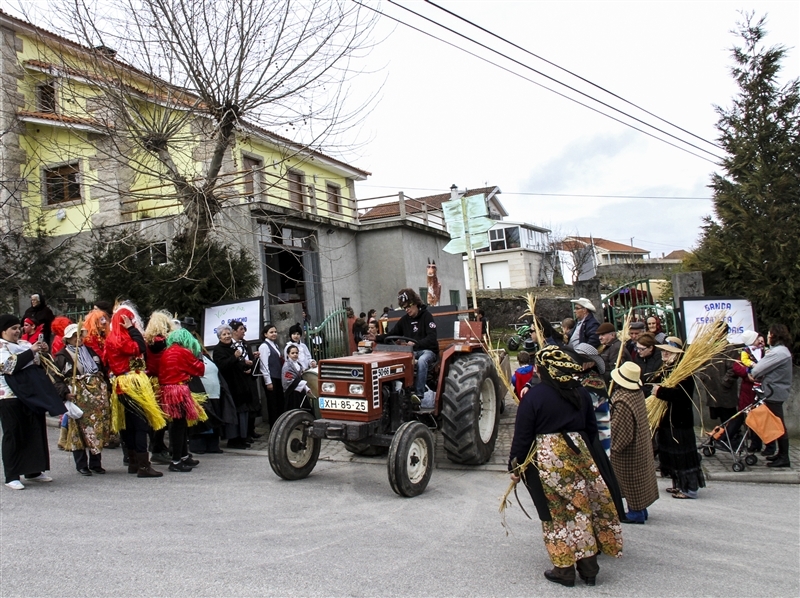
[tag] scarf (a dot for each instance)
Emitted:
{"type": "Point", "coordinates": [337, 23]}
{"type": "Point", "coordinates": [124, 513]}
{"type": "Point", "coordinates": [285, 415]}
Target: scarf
{"type": "Point", "coordinates": [86, 364]}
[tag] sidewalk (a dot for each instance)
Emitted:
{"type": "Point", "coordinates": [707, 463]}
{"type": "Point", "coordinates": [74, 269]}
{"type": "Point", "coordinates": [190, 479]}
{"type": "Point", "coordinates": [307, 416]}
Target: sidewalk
{"type": "Point", "coordinates": [717, 468]}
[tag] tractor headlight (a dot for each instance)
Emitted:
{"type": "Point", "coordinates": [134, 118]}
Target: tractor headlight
{"type": "Point", "coordinates": [356, 389]}
{"type": "Point", "coordinates": [328, 387]}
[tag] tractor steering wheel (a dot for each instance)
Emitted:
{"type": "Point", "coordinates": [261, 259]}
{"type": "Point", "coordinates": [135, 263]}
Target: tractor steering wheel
{"type": "Point", "coordinates": [393, 339]}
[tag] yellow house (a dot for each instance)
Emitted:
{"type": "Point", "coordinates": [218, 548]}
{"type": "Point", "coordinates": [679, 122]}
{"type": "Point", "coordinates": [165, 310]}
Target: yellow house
{"type": "Point", "coordinates": [74, 169]}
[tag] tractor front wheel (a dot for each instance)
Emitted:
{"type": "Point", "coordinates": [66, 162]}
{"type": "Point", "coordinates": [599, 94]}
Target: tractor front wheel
{"type": "Point", "coordinates": [410, 461]}
{"type": "Point", "coordinates": [293, 452]}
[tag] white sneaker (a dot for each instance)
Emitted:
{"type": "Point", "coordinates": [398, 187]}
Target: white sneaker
{"type": "Point", "coordinates": [39, 478]}
{"type": "Point", "coordinates": [15, 485]}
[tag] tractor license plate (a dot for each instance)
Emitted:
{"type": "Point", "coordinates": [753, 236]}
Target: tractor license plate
{"type": "Point", "coordinates": [343, 404]}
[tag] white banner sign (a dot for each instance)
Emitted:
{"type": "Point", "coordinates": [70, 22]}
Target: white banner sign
{"type": "Point", "coordinates": [247, 311]}
{"type": "Point", "coordinates": [698, 311]}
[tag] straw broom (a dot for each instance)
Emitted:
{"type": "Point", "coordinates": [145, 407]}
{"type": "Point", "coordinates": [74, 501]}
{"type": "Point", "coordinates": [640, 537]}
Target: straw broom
{"type": "Point", "coordinates": [519, 470]}
{"type": "Point", "coordinates": [707, 344]}
{"type": "Point", "coordinates": [486, 341]}
{"type": "Point", "coordinates": [623, 337]}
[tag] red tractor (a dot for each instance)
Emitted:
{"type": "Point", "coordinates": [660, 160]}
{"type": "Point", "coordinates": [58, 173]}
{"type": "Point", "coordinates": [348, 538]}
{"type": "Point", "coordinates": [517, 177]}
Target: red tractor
{"type": "Point", "coordinates": [365, 402]}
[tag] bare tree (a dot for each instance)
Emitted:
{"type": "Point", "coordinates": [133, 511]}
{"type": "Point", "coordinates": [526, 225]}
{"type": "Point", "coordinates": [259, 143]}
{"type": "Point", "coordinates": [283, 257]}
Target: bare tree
{"type": "Point", "coordinates": [572, 254]}
{"type": "Point", "coordinates": [171, 84]}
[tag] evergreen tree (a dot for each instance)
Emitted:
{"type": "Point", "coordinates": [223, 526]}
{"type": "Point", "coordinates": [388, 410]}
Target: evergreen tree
{"type": "Point", "coordinates": [196, 275]}
{"type": "Point", "coordinates": [751, 247]}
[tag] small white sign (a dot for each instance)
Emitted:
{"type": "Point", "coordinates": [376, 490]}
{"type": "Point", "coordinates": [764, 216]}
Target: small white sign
{"type": "Point", "coordinates": [247, 311]}
{"type": "Point", "coordinates": [698, 311]}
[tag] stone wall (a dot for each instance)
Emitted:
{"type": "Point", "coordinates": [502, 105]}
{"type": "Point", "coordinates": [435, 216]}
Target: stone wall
{"type": "Point", "coordinates": [505, 312]}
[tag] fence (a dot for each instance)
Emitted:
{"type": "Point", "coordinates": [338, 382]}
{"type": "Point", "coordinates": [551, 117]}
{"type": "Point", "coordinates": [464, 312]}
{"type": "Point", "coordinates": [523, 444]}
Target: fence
{"type": "Point", "coordinates": [636, 295]}
{"type": "Point", "coordinates": [331, 337]}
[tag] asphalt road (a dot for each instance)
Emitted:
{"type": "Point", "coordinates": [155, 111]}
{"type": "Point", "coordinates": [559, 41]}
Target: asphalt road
{"type": "Point", "coordinates": [232, 528]}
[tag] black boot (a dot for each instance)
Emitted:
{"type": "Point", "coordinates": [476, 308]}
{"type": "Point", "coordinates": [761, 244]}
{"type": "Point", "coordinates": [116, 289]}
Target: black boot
{"type": "Point", "coordinates": [563, 575]}
{"type": "Point", "coordinates": [588, 569]}
{"type": "Point", "coordinates": [780, 461]}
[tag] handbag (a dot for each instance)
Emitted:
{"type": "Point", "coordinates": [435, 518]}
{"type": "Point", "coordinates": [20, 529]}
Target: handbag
{"type": "Point", "coordinates": [73, 411]}
{"type": "Point", "coordinates": [766, 424]}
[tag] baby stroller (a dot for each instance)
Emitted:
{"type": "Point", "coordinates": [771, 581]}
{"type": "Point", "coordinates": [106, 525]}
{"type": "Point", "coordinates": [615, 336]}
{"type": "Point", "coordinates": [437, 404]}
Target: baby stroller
{"type": "Point", "coordinates": [758, 419]}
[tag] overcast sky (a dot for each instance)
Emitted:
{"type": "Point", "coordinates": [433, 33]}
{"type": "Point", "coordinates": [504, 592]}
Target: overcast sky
{"type": "Point", "coordinates": [444, 117]}
{"type": "Point", "coordinates": [447, 118]}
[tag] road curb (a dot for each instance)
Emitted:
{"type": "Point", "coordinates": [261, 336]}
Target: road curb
{"type": "Point", "coordinates": [755, 477]}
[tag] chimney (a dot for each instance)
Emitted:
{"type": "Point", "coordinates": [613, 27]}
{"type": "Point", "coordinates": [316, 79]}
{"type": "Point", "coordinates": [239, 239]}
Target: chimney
{"type": "Point", "coordinates": [106, 51]}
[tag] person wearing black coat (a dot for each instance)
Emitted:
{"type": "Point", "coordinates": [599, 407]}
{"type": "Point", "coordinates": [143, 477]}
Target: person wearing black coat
{"type": "Point", "coordinates": [40, 314]}
{"type": "Point", "coordinates": [677, 445]}
{"type": "Point", "coordinates": [232, 369]}
{"type": "Point", "coordinates": [25, 394]}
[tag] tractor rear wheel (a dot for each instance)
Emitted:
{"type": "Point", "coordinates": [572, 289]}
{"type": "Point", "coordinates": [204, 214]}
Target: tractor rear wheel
{"type": "Point", "coordinates": [293, 452]}
{"type": "Point", "coordinates": [365, 450]}
{"type": "Point", "coordinates": [410, 461]}
{"type": "Point", "coordinates": [470, 409]}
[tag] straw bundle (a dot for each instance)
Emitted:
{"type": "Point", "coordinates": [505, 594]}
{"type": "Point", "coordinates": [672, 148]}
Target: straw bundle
{"type": "Point", "coordinates": [534, 321]}
{"type": "Point", "coordinates": [498, 366]}
{"type": "Point", "coordinates": [707, 344]}
{"type": "Point", "coordinates": [656, 408]}
{"type": "Point", "coordinates": [512, 487]}
{"type": "Point", "coordinates": [623, 337]}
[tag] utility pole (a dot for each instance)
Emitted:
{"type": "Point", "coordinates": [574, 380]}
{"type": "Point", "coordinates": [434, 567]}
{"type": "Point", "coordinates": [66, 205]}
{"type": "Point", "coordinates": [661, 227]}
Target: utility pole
{"type": "Point", "coordinates": [473, 274]}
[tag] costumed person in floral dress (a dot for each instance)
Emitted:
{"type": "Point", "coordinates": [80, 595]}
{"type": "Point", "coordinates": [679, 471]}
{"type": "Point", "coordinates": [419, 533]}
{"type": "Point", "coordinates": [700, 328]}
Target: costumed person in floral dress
{"type": "Point", "coordinates": [631, 443]}
{"type": "Point", "coordinates": [83, 381]}
{"type": "Point", "coordinates": [25, 394]}
{"type": "Point", "coordinates": [555, 433]}
{"type": "Point", "coordinates": [133, 402]}
{"type": "Point", "coordinates": [179, 363]}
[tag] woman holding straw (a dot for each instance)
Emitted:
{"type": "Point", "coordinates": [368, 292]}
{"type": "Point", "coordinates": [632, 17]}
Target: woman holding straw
{"type": "Point", "coordinates": [82, 380]}
{"type": "Point", "coordinates": [555, 434]}
{"type": "Point", "coordinates": [677, 445]}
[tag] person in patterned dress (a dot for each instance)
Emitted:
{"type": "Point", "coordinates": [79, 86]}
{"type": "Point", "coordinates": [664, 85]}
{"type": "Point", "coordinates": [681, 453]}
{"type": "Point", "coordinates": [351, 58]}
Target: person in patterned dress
{"type": "Point", "coordinates": [82, 380]}
{"type": "Point", "coordinates": [555, 453]}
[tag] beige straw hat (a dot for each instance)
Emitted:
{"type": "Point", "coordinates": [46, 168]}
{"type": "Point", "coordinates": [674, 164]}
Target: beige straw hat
{"type": "Point", "coordinates": [628, 376]}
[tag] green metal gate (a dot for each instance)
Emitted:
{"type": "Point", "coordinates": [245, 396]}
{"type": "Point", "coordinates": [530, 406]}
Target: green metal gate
{"type": "Point", "coordinates": [331, 337]}
{"type": "Point", "coordinates": [638, 296]}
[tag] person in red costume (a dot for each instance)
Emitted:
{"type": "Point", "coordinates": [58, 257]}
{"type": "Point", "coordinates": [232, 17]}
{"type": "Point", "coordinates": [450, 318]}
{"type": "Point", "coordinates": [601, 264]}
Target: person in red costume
{"type": "Point", "coordinates": [58, 327]}
{"type": "Point", "coordinates": [180, 361]}
{"type": "Point", "coordinates": [124, 356]}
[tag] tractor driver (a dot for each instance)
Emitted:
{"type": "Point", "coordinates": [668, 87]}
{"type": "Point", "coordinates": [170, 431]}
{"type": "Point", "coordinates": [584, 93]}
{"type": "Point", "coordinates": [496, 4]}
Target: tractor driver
{"type": "Point", "coordinates": [417, 324]}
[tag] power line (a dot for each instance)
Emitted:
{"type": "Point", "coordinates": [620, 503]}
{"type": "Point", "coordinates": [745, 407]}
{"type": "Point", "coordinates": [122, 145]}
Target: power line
{"type": "Point", "coordinates": [558, 93]}
{"type": "Point", "coordinates": [540, 73]}
{"type": "Point", "coordinates": [535, 194]}
{"type": "Point", "coordinates": [600, 87]}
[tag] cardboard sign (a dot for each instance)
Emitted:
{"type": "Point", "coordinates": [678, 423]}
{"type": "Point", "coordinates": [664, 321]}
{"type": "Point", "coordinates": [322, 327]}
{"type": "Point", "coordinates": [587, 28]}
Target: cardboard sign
{"type": "Point", "coordinates": [247, 311]}
{"type": "Point", "coordinates": [698, 311]}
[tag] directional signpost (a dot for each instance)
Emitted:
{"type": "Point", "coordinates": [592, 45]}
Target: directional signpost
{"type": "Point", "coordinates": [468, 225]}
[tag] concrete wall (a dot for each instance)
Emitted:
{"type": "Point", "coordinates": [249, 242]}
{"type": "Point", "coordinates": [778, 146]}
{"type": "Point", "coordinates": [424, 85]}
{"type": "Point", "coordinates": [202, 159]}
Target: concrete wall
{"type": "Point", "coordinates": [392, 258]}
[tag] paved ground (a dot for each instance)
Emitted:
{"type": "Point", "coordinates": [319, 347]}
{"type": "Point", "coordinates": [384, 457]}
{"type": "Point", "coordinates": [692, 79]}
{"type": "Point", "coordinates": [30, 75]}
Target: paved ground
{"type": "Point", "coordinates": [716, 467]}
{"type": "Point", "coordinates": [233, 528]}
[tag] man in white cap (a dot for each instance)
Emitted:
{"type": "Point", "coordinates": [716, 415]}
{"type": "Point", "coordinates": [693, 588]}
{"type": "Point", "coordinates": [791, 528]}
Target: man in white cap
{"type": "Point", "coordinates": [587, 325]}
